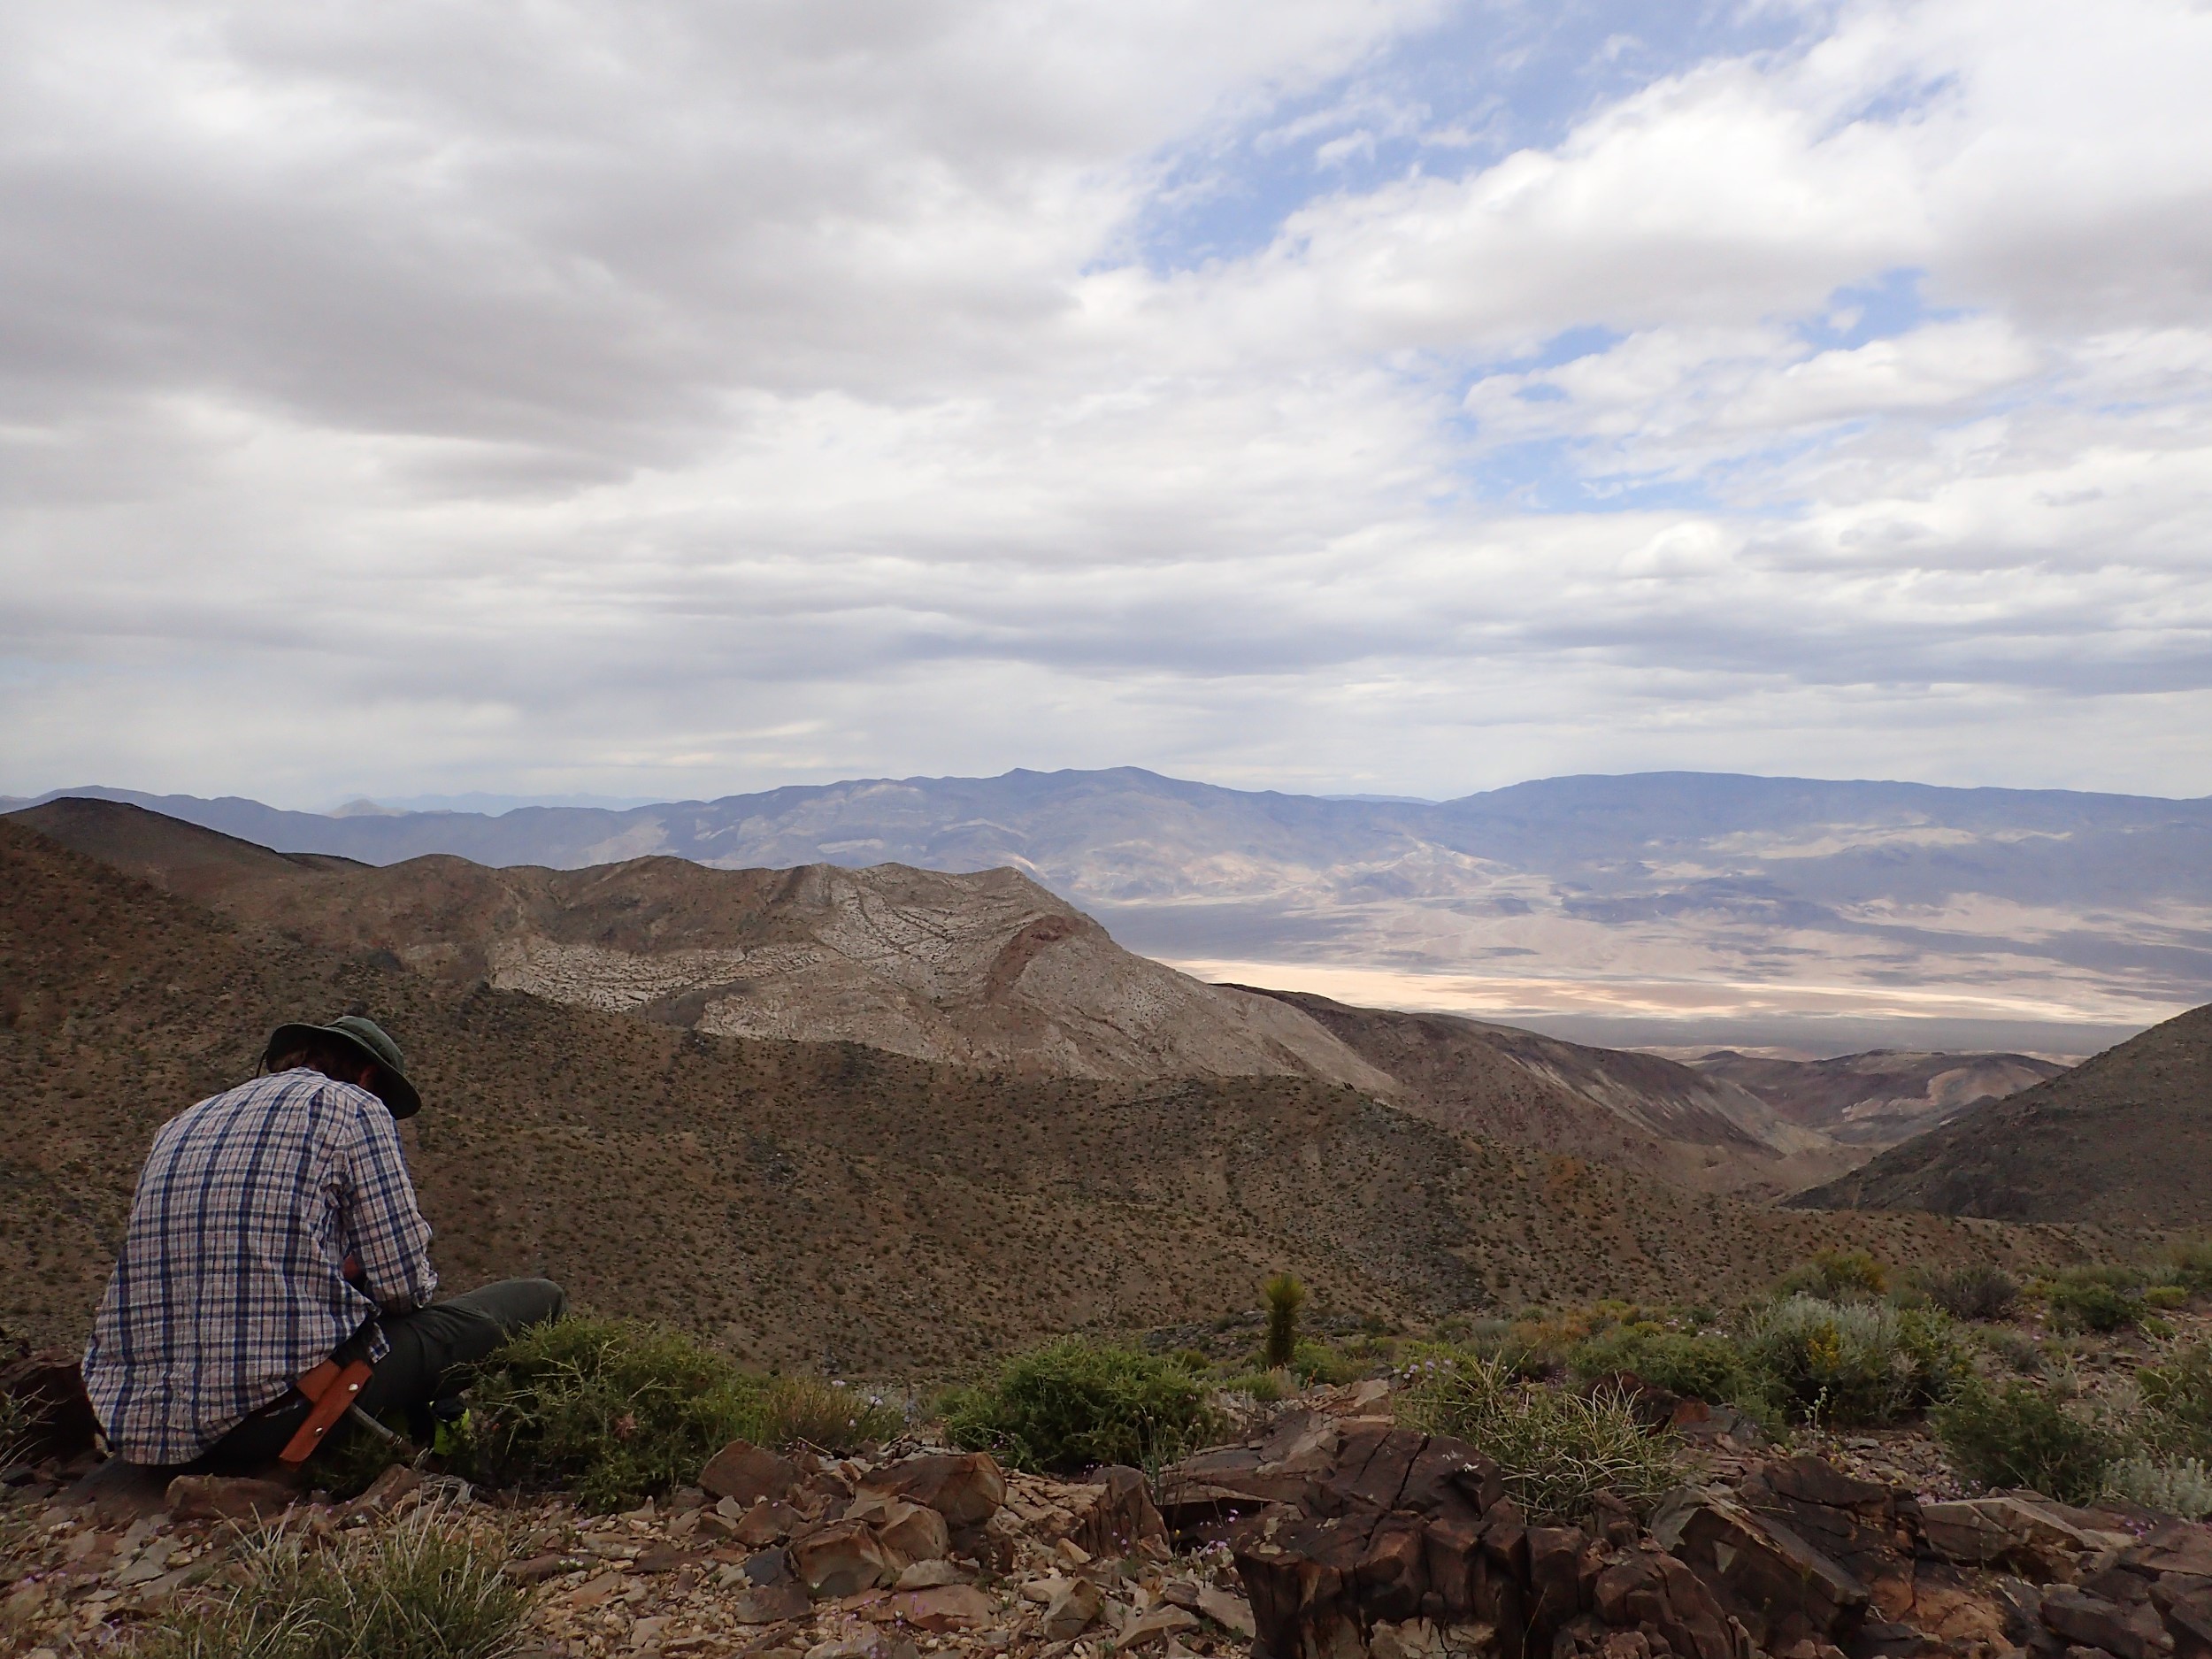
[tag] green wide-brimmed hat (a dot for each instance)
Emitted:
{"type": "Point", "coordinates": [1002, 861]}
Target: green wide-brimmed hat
{"type": "Point", "coordinates": [365, 1035]}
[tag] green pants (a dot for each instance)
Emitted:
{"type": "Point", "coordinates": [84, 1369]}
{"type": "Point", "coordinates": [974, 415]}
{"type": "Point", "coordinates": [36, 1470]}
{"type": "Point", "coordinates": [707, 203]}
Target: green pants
{"type": "Point", "coordinates": [429, 1346]}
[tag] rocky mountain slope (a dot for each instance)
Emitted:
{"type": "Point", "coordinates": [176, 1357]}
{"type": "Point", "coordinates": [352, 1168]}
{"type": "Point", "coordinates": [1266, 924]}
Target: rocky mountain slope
{"type": "Point", "coordinates": [1637, 1111]}
{"type": "Point", "coordinates": [983, 970]}
{"type": "Point", "coordinates": [2124, 1138]}
{"type": "Point", "coordinates": [1881, 1097]}
{"type": "Point", "coordinates": [818, 1203]}
{"type": "Point", "coordinates": [1933, 917]}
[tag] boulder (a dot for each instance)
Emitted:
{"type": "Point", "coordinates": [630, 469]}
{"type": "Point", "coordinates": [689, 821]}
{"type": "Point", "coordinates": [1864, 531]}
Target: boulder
{"type": "Point", "coordinates": [926, 1575]}
{"type": "Point", "coordinates": [1117, 1515]}
{"type": "Point", "coordinates": [2092, 1621]}
{"type": "Point", "coordinates": [944, 1607]}
{"type": "Point", "coordinates": [1154, 1627]}
{"type": "Point", "coordinates": [2179, 1546]}
{"type": "Point", "coordinates": [1074, 1605]}
{"type": "Point", "coordinates": [749, 1474]}
{"type": "Point", "coordinates": [841, 1560]}
{"type": "Point", "coordinates": [228, 1498]}
{"type": "Point", "coordinates": [913, 1533]}
{"type": "Point", "coordinates": [2022, 1533]}
{"type": "Point", "coordinates": [1761, 1566]}
{"type": "Point", "coordinates": [765, 1523]}
{"type": "Point", "coordinates": [966, 1487]}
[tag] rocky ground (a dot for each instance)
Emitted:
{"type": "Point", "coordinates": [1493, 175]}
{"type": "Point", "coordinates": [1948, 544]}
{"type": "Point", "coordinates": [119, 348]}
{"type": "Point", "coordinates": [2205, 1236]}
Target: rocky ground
{"type": "Point", "coordinates": [1326, 1533]}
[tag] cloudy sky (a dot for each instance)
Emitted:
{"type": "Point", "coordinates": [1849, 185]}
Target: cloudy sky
{"type": "Point", "coordinates": [1392, 396]}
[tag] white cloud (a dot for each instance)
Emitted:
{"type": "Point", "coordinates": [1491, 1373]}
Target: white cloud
{"type": "Point", "coordinates": [661, 400]}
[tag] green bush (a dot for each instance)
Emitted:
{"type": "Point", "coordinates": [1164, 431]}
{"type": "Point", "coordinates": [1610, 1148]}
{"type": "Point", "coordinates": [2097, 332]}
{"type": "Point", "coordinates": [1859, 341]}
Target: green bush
{"type": "Point", "coordinates": [2092, 1304]}
{"type": "Point", "coordinates": [608, 1408]}
{"type": "Point", "coordinates": [1073, 1404]}
{"type": "Point", "coordinates": [1977, 1293]}
{"type": "Point", "coordinates": [1555, 1450]}
{"type": "Point", "coordinates": [2017, 1348]}
{"type": "Point", "coordinates": [1318, 1363]}
{"type": "Point", "coordinates": [1284, 1296]}
{"type": "Point", "coordinates": [420, 1588]}
{"type": "Point", "coordinates": [1851, 1363]}
{"type": "Point", "coordinates": [2166, 1298]}
{"type": "Point", "coordinates": [1836, 1276]}
{"type": "Point", "coordinates": [2186, 1266]}
{"type": "Point", "coordinates": [2176, 1396]}
{"type": "Point", "coordinates": [1265, 1386]}
{"type": "Point", "coordinates": [2019, 1436]}
{"type": "Point", "coordinates": [1706, 1367]}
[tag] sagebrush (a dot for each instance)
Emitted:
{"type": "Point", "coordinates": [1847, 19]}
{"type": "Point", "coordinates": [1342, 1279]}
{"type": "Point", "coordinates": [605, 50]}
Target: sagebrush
{"type": "Point", "coordinates": [1851, 1363]}
{"type": "Point", "coordinates": [1075, 1404]}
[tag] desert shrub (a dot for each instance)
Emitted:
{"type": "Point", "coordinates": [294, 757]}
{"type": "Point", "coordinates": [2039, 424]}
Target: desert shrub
{"type": "Point", "coordinates": [1978, 1292]}
{"type": "Point", "coordinates": [1556, 1451]}
{"type": "Point", "coordinates": [827, 1415]}
{"type": "Point", "coordinates": [421, 1588]}
{"type": "Point", "coordinates": [2016, 1348]}
{"type": "Point", "coordinates": [2176, 1398]}
{"type": "Point", "coordinates": [1851, 1362]}
{"type": "Point", "coordinates": [2166, 1298]}
{"type": "Point", "coordinates": [1708, 1367]}
{"type": "Point", "coordinates": [1836, 1276]}
{"type": "Point", "coordinates": [1318, 1363]}
{"type": "Point", "coordinates": [1073, 1404]}
{"type": "Point", "coordinates": [2186, 1266]}
{"type": "Point", "coordinates": [1265, 1386]}
{"type": "Point", "coordinates": [611, 1408]}
{"type": "Point", "coordinates": [2182, 1488]}
{"type": "Point", "coordinates": [1284, 1296]}
{"type": "Point", "coordinates": [2092, 1304]}
{"type": "Point", "coordinates": [2019, 1436]}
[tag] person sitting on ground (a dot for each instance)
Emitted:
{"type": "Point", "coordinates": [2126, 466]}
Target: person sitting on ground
{"type": "Point", "coordinates": [274, 1225]}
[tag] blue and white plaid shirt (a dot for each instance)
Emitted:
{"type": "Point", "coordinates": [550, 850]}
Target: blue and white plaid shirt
{"type": "Point", "coordinates": [231, 1283]}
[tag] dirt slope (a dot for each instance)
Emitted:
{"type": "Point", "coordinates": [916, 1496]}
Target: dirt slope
{"type": "Point", "coordinates": [2124, 1138]}
{"type": "Point", "coordinates": [1881, 1097]}
{"type": "Point", "coordinates": [816, 1204]}
{"type": "Point", "coordinates": [986, 970]}
{"type": "Point", "coordinates": [1638, 1110]}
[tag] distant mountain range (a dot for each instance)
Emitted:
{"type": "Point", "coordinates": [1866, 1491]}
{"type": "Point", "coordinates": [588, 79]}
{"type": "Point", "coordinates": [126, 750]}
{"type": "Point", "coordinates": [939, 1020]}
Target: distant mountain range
{"type": "Point", "coordinates": [1655, 908]}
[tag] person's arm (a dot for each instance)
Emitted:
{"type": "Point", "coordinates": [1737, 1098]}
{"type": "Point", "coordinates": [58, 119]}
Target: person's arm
{"type": "Point", "coordinates": [385, 1231]}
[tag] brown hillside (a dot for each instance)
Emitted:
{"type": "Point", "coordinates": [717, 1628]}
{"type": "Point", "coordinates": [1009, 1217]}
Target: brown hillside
{"type": "Point", "coordinates": [986, 970]}
{"type": "Point", "coordinates": [817, 1205]}
{"type": "Point", "coordinates": [1881, 1097]}
{"type": "Point", "coordinates": [1637, 1110]}
{"type": "Point", "coordinates": [2124, 1139]}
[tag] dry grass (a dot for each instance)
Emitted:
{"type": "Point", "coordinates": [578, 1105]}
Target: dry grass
{"type": "Point", "coordinates": [1555, 1450]}
{"type": "Point", "coordinates": [420, 1588]}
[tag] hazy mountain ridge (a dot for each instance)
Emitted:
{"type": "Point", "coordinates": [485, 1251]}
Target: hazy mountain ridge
{"type": "Point", "coordinates": [1659, 894]}
{"type": "Point", "coordinates": [1878, 1098]}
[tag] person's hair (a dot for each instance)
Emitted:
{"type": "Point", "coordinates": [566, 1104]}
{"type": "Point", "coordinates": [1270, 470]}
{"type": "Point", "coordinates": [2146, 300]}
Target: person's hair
{"type": "Point", "coordinates": [328, 1054]}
